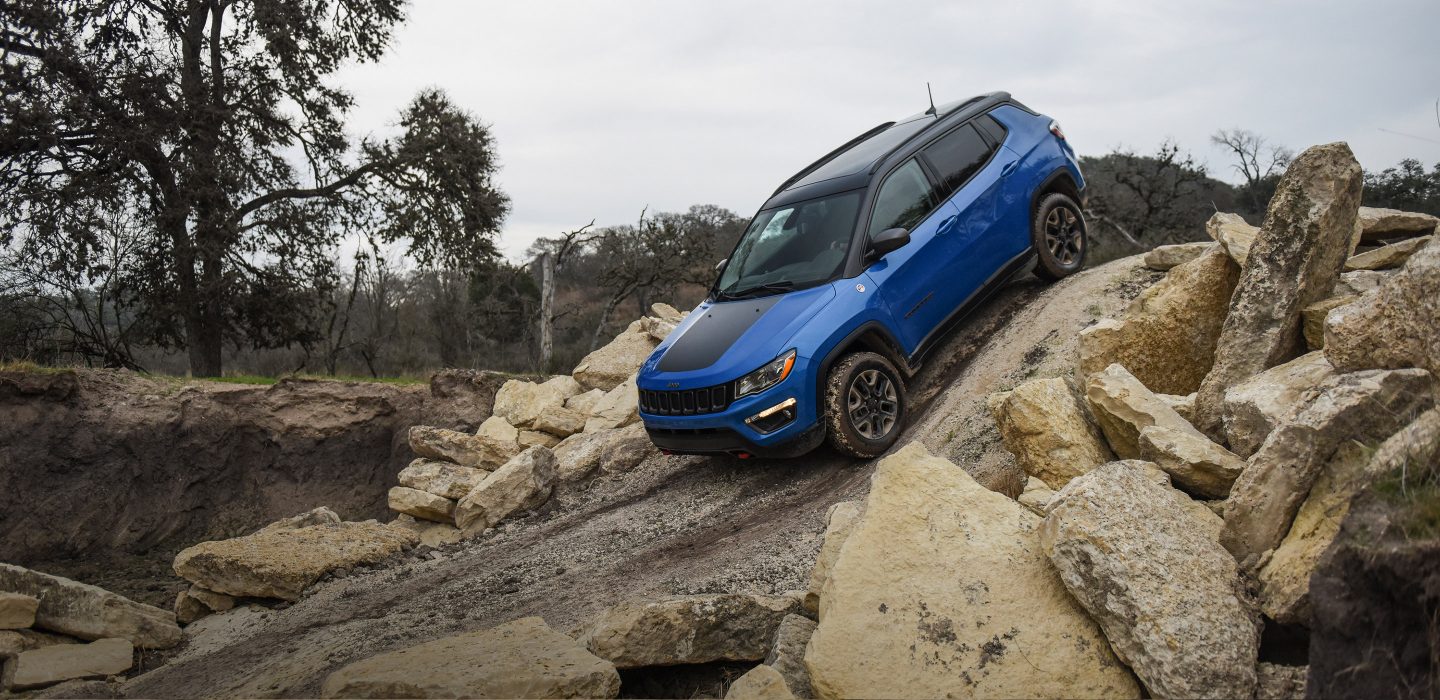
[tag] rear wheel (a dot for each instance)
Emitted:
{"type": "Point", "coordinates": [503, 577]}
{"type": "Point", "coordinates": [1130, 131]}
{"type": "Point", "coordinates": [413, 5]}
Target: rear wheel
{"type": "Point", "coordinates": [1058, 234]}
{"type": "Point", "coordinates": [864, 405]}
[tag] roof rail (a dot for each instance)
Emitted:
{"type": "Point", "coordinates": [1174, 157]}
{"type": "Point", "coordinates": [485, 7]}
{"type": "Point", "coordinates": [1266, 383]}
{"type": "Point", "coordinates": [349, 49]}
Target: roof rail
{"type": "Point", "coordinates": [831, 156]}
{"type": "Point", "coordinates": [997, 96]}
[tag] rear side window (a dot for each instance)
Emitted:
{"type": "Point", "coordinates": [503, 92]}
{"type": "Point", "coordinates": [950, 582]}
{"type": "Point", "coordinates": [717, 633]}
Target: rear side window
{"type": "Point", "coordinates": [994, 129]}
{"type": "Point", "coordinates": [957, 156]}
{"type": "Point", "coordinates": [903, 200]}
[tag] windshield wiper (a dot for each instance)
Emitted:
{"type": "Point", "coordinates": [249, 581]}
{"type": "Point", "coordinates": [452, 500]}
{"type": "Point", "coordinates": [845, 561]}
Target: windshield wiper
{"type": "Point", "coordinates": [774, 287]}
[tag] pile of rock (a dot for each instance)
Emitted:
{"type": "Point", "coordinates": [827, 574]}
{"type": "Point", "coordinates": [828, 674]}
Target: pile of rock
{"type": "Point", "coordinates": [1182, 485]}
{"type": "Point", "coordinates": [540, 434]}
{"type": "Point", "coordinates": [53, 630]}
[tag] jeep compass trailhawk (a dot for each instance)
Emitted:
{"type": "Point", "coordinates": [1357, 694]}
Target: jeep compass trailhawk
{"type": "Point", "coordinates": [851, 272]}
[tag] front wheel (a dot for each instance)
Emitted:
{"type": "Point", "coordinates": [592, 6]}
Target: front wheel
{"type": "Point", "coordinates": [864, 405]}
{"type": "Point", "coordinates": [1058, 234]}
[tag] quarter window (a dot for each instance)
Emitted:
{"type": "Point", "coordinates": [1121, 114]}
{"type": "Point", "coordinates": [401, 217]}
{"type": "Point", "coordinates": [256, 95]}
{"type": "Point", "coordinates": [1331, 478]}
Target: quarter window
{"type": "Point", "coordinates": [904, 199]}
{"type": "Point", "coordinates": [957, 156]}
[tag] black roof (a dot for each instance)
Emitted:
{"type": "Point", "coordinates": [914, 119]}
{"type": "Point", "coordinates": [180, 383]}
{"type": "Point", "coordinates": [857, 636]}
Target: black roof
{"type": "Point", "coordinates": [851, 165]}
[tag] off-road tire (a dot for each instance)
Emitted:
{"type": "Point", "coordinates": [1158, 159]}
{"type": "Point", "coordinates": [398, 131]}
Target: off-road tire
{"type": "Point", "coordinates": [1058, 233]}
{"type": "Point", "coordinates": [839, 430]}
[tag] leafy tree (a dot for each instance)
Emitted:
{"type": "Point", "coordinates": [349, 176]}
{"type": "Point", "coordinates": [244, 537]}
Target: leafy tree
{"type": "Point", "coordinates": [212, 119]}
{"type": "Point", "coordinates": [1406, 187]}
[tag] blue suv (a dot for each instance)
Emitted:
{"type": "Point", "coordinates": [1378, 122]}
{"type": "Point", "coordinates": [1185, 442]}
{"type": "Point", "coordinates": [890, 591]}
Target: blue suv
{"type": "Point", "coordinates": [852, 271]}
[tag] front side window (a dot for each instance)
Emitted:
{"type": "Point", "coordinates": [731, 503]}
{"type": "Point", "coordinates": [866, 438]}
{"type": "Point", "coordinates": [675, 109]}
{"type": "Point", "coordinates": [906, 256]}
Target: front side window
{"type": "Point", "coordinates": [957, 156]}
{"type": "Point", "coordinates": [903, 200]}
{"type": "Point", "coordinates": [791, 247]}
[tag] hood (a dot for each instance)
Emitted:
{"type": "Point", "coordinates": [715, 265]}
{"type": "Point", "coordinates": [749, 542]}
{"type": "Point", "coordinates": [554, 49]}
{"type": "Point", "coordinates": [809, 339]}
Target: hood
{"type": "Point", "coordinates": [729, 336]}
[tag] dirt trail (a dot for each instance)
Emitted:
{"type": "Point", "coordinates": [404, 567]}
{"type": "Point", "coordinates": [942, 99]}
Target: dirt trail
{"type": "Point", "coordinates": [675, 525]}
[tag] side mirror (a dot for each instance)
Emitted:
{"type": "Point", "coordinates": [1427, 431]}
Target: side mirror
{"type": "Point", "coordinates": [886, 241]}
{"type": "Point", "coordinates": [721, 265]}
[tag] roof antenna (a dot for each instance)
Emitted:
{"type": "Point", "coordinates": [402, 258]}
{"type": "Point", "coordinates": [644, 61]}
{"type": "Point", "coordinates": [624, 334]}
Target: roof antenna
{"type": "Point", "coordinates": [931, 111]}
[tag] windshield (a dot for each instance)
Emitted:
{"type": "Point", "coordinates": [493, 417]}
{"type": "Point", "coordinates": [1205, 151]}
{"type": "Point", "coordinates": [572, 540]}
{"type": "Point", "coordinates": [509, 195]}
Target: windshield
{"type": "Point", "coordinates": [791, 247]}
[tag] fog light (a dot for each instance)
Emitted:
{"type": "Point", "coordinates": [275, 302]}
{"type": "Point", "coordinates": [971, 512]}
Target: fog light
{"type": "Point", "coordinates": [773, 418]}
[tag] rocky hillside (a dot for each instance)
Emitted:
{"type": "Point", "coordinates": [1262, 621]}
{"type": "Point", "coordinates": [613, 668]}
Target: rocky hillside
{"type": "Point", "coordinates": [1131, 483]}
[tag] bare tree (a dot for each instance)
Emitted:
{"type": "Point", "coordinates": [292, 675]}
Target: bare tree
{"type": "Point", "coordinates": [1257, 160]}
{"type": "Point", "coordinates": [1147, 196]}
{"type": "Point", "coordinates": [562, 248]}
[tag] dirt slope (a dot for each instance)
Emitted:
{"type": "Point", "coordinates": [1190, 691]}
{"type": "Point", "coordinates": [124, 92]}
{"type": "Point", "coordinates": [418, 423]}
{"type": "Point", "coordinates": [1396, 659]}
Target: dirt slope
{"type": "Point", "coordinates": [674, 525]}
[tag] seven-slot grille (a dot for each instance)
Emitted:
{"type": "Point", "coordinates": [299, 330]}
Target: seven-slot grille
{"type": "Point", "coordinates": [685, 402]}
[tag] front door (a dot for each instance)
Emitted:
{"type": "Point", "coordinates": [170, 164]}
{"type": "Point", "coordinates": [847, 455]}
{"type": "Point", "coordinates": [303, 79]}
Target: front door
{"type": "Point", "coordinates": [911, 279]}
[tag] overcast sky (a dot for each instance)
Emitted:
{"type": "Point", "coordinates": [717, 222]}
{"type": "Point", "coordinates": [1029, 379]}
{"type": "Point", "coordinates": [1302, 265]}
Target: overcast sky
{"type": "Point", "coordinates": [601, 108]}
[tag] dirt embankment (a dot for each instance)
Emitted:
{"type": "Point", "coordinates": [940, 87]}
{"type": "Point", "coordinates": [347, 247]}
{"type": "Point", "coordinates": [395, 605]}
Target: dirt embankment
{"type": "Point", "coordinates": [99, 466]}
{"type": "Point", "coordinates": [674, 525]}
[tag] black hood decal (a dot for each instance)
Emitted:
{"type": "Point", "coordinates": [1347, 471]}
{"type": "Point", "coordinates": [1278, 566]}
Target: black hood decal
{"type": "Point", "coordinates": [711, 335]}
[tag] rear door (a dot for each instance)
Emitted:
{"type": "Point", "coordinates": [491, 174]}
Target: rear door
{"type": "Point", "coordinates": [968, 166]}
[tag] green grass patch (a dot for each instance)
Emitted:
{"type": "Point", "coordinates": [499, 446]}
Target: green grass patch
{"type": "Point", "coordinates": [1417, 503]}
{"type": "Point", "coordinates": [30, 367]}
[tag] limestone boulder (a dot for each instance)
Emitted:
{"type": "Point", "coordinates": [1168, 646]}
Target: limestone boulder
{"type": "Point", "coordinates": [1312, 319]}
{"type": "Point", "coordinates": [12, 642]}
{"type": "Point", "coordinates": [430, 533]}
{"type": "Point", "coordinates": [281, 564]}
{"type": "Point", "coordinates": [1233, 234]}
{"type": "Point", "coordinates": [447, 445]}
{"type": "Point", "coordinates": [1386, 256]}
{"type": "Point", "coordinates": [315, 516]}
{"type": "Point", "coordinates": [1047, 430]}
{"type": "Point", "coordinates": [1167, 336]}
{"type": "Point", "coordinates": [610, 366]}
{"type": "Point", "coordinates": [519, 659]}
{"type": "Point", "coordinates": [560, 421]}
{"type": "Point", "coordinates": [17, 610]}
{"type": "Point", "coordinates": [1036, 496]}
{"type": "Point", "coordinates": [498, 441]}
{"type": "Point", "coordinates": [1164, 257]}
{"type": "Point", "coordinates": [523, 483]}
{"type": "Point", "coordinates": [657, 329]}
{"type": "Point", "coordinates": [693, 629]}
{"type": "Point", "coordinates": [1255, 406]}
{"type": "Point", "coordinates": [1360, 281]}
{"type": "Point", "coordinates": [759, 683]}
{"type": "Point", "coordinates": [533, 438]}
{"type": "Point", "coordinates": [1276, 682]}
{"type": "Point", "coordinates": [1285, 577]}
{"type": "Point", "coordinates": [1195, 464]}
{"type": "Point", "coordinates": [89, 612]}
{"type": "Point", "coordinates": [942, 590]}
{"type": "Point", "coordinates": [420, 504]}
{"type": "Point", "coordinates": [787, 653]}
{"type": "Point", "coordinates": [840, 519]}
{"type": "Point", "coordinates": [188, 609]}
{"type": "Point", "coordinates": [1183, 405]}
{"type": "Point", "coordinates": [612, 451]}
{"type": "Point", "coordinates": [584, 403]}
{"type": "Point", "coordinates": [520, 402]}
{"type": "Point", "coordinates": [1366, 406]}
{"type": "Point", "coordinates": [1163, 592]}
{"type": "Point", "coordinates": [1380, 224]}
{"type": "Point", "coordinates": [618, 408]}
{"type": "Point", "coordinates": [1308, 232]}
{"type": "Point", "coordinates": [442, 479]}
{"type": "Point", "coordinates": [1398, 325]}
{"type": "Point", "coordinates": [666, 312]}
{"type": "Point", "coordinates": [1123, 407]}
{"type": "Point", "coordinates": [41, 668]}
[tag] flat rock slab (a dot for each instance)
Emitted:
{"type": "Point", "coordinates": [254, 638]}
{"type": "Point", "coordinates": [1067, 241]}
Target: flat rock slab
{"type": "Point", "coordinates": [282, 564]}
{"type": "Point", "coordinates": [759, 683]}
{"type": "Point", "coordinates": [1254, 407]}
{"type": "Point", "coordinates": [1052, 438]}
{"type": "Point", "coordinates": [89, 612]}
{"type": "Point", "coordinates": [1195, 464]}
{"type": "Point", "coordinates": [17, 611]}
{"type": "Point", "coordinates": [693, 629]}
{"type": "Point", "coordinates": [1387, 256]}
{"type": "Point", "coordinates": [525, 481]}
{"type": "Point", "coordinates": [1164, 257]}
{"type": "Point", "coordinates": [942, 590]}
{"type": "Point", "coordinates": [520, 659]}
{"type": "Point", "coordinates": [1398, 325]}
{"type": "Point", "coordinates": [1163, 591]}
{"type": "Point", "coordinates": [1123, 407]}
{"type": "Point", "coordinates": [442, 479]}
{"type": "Point", "coordinates": [39, 668]}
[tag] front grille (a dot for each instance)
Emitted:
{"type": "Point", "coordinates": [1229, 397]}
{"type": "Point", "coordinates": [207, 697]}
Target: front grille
{"type": "Point", "coordinates": [686, 402]}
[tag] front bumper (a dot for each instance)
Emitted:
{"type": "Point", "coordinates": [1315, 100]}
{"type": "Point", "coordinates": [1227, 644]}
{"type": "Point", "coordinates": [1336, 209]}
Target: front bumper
{"type": "Point", "coordinates": [709, 441]}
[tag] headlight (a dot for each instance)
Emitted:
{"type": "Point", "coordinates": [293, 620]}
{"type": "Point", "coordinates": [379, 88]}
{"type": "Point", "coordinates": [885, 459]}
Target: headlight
{"type": "Point", "coordinates": [767, 376]}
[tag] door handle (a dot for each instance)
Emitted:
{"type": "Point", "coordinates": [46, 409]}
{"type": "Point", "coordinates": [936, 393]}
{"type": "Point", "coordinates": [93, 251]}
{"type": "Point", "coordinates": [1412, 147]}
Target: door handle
{"type": "Point", "coordinates": [1009, 168]}
{"type": "Point", "coordinates": [946, 225]}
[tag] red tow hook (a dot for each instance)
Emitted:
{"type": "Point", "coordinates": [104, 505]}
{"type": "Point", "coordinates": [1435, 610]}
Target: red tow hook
{"type": "Point", "coordinates": [743, 455]}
